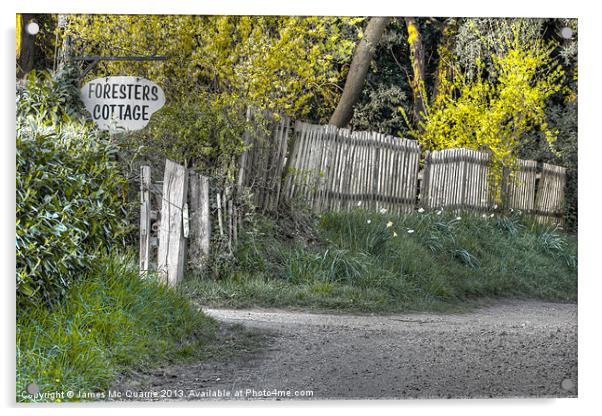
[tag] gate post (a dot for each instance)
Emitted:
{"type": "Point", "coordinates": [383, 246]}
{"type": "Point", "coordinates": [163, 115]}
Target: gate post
{"type": "Point", "coordinates": [200, 226]}
{"type": "Point", "coordinates": [145, 218]}
{"type": "Point", "coordinates": [172, 243]}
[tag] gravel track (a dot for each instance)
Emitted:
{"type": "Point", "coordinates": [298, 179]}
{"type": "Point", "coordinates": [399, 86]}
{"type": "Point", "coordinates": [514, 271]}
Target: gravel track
{"type": "Point", "coordinates": [509, 349]}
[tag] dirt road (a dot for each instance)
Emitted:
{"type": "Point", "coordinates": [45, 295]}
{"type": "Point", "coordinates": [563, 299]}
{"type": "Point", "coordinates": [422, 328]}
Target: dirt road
{"type": "Point", "coordinates": [511, 349]}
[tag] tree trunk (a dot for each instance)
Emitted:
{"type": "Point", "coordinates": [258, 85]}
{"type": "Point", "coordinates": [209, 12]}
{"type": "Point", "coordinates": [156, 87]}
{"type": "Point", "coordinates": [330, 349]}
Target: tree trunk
{"type": "Point", "coordinates": [360, 63]}
{"type": "Point", "coordinates": [26, 44]}
{"type": "Point", "coordinates": [417, 59]}
{"type": "Point", "coordinates": [443, 74]}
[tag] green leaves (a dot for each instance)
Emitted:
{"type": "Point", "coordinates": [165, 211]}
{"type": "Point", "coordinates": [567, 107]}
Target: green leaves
{"type": "Point", "coordinates": [481, 111]}
{"type": "Point", "coordinates": [287, 63]}
{"type": "Point", "coordinates": [68, 188]}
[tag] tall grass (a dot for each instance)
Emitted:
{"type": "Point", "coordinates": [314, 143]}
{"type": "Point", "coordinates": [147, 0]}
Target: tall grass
{"type": "Point", "coordinates": [370, 261]}
{"type": "Point", "coordinates": [109, 322]}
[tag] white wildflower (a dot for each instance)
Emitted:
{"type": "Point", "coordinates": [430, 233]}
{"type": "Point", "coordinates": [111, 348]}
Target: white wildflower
{"type": "Point", "coordinates": [492, 215]}
{"type": "Point", "coordinates": [394, 234]}
{"type": "Point", "coordinates": [495, 206]}
{"type": "Point", "coordinates": [359, 203]}
{"type": "Point", "coordinates": [439, 212]}
{"type": "Point", "coordinates": [484, 215]}
{"type": "Point", "coordinates": [458, 218]}
{"type": "Point", "coordinates": [369, 221]}
{"type": "Point", "coordinates": [383, 210]}
{"type": "Point", "coordinates": [410, 231]}
{"type": "Point", "coordinates": [389, 224]}
{"type": "Point", "coordinates": [421, 210]}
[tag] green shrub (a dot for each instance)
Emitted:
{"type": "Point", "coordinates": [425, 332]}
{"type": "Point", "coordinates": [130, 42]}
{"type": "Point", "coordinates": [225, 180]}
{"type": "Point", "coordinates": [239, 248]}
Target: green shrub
{"type": "Point", "coordinates": [69, 192]}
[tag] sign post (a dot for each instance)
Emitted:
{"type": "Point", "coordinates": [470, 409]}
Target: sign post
{"type": "Point", "coordinates": [122, 102]}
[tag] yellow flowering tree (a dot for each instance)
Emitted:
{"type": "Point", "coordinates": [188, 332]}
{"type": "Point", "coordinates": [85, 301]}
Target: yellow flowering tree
{"type": "Point", "coordinates": [495, 114]}
{"type": "Point", "coordinates": [283, 63]}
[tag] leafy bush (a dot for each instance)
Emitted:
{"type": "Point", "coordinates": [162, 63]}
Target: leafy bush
{"type": "Point", "coordinates": [199, 128]}
{"type": "Point", "coordinates": [69, 190]}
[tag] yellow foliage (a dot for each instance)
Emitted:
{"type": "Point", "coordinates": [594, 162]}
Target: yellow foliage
{"type": "Point", "coordinates": [412, 34]}
{"type": "Point", "coordinates": [19, 28]}
{"type": "Point", "coordinates": [494, 116]}
{"type": "Point", "coordinates": [275, 62]}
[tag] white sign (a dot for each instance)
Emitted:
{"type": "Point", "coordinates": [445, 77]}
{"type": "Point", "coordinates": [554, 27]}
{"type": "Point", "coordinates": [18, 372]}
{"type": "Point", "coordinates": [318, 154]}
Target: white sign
{"type": "Point", "coordinates": [122, 102]}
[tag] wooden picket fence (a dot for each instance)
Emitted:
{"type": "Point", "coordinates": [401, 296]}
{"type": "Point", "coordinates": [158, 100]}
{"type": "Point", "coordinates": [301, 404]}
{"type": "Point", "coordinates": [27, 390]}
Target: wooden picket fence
{"type": "Point", "coordinates": [456, 179]}
{"type": "Point", "coordinates": [332, 169]}
{"type": "Point", "coordinates": [262, 166]}
{"type": "Point", "coordinates": [549, 201]}
{"type": "Point", "coordinates": [336, 169]}
{"type": "Point", "coordinates": [327, 169]}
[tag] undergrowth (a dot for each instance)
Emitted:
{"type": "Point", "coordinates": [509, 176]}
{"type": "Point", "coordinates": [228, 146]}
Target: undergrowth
{"type": "Point", "coordinates": [368, 261]}
{"type": "Point", "coordinates": [108, 323]}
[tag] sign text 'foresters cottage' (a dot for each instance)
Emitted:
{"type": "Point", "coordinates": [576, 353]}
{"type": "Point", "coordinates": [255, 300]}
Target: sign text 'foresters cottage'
{"type": "Point", "coordinates": [122, 102]}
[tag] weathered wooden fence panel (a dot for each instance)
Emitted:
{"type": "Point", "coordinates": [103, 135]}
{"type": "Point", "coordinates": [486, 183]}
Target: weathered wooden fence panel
{"type": "Point", "coordinates": [456, 179]}
{"type": "Point", "coordinates": [335, 169]}
{"type": "Point", "coordinates": [172, 243]}
{"type": "Point", "coordinates": [549, 201]}
{"type": "Point", "coordinates": [262, 165]}
{"type": "Point", "coordinates": [520, 186]}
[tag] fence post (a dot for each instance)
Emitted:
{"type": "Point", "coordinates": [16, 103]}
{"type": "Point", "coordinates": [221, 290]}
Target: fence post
{"type": "Point", "coordinates": [172, 244]}
{"type": "Point", "coordinates": [145, 218]}
{"type": "Point", "coordinates": [200, 227]}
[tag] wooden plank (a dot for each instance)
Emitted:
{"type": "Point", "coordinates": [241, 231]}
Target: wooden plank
{"type": "Point", "coordinates": [389, 183]}
{"type": "Point", "coordinates": [426, 181]}
{"type": "Point", "coordinates": [290, 155]}
{"type": "Point", "coordinates": [172, 243]}
{"type": "Point", "coordinates": [278, 175]}
{"type": "Point", "coordinates": [364, 190]}
{"type": "Point", "coordinates": [397, 206]}
{"type": "Point", "coordinates": [145, 218]}
{"type": "Point", "coordinates": [349, 172]}
{"type": "Point", "coordinates": [414, 167]}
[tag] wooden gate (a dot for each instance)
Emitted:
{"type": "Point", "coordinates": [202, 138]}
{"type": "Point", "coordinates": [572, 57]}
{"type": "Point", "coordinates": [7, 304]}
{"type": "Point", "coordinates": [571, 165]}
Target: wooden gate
{"type": "Point", "coordinates": [177, 227]}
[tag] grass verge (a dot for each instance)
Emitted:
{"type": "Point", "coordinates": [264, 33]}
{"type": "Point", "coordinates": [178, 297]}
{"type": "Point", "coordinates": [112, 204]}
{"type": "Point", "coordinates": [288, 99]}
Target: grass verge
{"type": "Point", "coordinates": [371, 262]}
{"type": "Point", "coordinates": [109, 323]}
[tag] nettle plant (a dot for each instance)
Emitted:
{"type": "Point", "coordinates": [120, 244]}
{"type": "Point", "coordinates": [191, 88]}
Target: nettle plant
{"type": "Point", "coordinates": [496, 109]}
